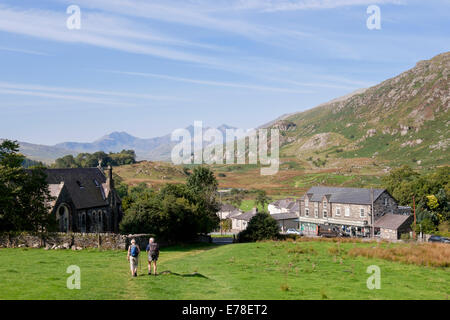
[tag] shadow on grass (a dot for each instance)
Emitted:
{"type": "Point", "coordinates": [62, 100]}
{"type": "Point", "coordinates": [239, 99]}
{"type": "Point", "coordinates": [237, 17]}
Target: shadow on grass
{"type": "Point", "coordinates": [194, 274]}
{"type": "Point", "coordinates": [189, 247]}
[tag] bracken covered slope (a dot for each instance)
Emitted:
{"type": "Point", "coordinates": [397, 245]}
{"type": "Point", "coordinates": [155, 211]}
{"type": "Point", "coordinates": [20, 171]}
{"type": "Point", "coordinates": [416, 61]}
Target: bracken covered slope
{"type": "Point", "coordinates": [404, 119]}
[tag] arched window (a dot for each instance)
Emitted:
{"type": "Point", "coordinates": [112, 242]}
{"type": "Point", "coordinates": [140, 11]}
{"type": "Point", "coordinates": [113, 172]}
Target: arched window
{"type": "Point", "coordinates": [100, 220]}
{"type": "Point", "coordinates": [83, 221]}
{"type": "Point", "coordinates": [63, 218]}
{"type": "Point", "coordinates": [94, 221]}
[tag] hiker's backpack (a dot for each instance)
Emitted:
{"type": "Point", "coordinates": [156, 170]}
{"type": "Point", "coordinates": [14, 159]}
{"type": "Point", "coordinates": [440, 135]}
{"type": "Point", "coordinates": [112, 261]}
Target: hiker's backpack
{"type": "Point", "coordinates": [134, 251]}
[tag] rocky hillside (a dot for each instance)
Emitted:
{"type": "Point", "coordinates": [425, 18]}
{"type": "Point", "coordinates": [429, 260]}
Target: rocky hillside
{"type": "Point", "coordinates": [401, 120]}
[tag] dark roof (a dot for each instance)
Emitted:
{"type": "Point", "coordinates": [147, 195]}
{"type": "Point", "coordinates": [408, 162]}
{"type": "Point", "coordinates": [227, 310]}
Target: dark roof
{"type": "Point", "coordinates": [80, 183]}
{"type": "Point", "coordinates": [225, 207]}
{"type": "Point", "coordinates": [392, 221]}
{"type": "Point", "coordinates": [284, 216]}
{"type": "Point", "coordinates": [234, 213]}
{"type": "Point", "coordinates": [344, 195]}
{"type": "Point", "coordinates": [295, 207]}
{"type": "Point", "coordinates": [247, 215]}
{"type": "Point", "coordinates": [283, 203]}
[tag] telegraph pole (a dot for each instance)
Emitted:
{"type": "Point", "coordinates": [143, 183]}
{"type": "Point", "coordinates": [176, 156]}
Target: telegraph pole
{"type": "Point", "coordinates": [414, 209]}
{"type": "Point", "coordinates": [372, 215]}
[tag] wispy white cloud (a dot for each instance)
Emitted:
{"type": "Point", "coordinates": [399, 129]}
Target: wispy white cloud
{"type": "Point", "coordinates": [25, 51]}
{"type": "Point", "coordinates": [99, 30]}
{"type": "Point", "coordinates": [81, 95]}
{"type": "Point", "coordinates": [213, 83]}
{"type": "Point", "coordinates": [77, 98]}
{"type": "Point", "coordinates": [295, 5]}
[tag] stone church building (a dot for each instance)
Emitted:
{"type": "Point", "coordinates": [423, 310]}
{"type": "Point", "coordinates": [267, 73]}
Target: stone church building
{"type": "Point", "coordinates": [85, 200]}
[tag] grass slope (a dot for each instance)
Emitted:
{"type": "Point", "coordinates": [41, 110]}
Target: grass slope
{"type": "Point", "coordinates": [273, 270]}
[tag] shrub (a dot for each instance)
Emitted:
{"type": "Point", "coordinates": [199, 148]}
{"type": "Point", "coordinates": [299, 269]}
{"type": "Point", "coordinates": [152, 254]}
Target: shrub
{"type": "Point", "coordinates": [261, 227]}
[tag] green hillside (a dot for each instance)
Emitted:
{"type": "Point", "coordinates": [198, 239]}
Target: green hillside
{"type": "Point", "coordinates": [401, 120]}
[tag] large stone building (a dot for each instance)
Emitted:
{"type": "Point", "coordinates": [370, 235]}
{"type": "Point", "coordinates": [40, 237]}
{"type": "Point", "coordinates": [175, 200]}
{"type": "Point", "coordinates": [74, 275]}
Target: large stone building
{"type": "Point", "coordinates": [85, 200]}
{"type": "Point", "coordinates": [349, 210]}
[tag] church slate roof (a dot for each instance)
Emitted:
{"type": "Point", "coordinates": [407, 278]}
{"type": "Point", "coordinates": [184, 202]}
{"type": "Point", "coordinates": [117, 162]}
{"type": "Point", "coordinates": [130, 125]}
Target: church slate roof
{"type": "Point", "coordinates": [344, 195]}
{"type": "Point", "coordinates": [85, 185]}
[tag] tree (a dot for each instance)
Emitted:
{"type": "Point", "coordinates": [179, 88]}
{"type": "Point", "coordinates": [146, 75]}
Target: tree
{"type": "Point", "coordinates": [226, 224]}
{"type": "Point", "coordinates": [177, 212]}
{"type": "Point", "coordinates": [236, 197]}
{"type": "Point", "coordinates": [262, 199]}
{"type": "Point", "coordinates": [88, 160]}
{"type": "Point", "coordinates": [261, 227]}
{"type": "Point", "coordinates": [24, 195]}
{"type": "Point", "coordinates": [202, 185]}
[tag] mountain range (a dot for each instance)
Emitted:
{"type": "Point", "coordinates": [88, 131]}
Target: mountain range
{"type": "Point", "coordinates": [404, 119]}
{"type": "Point", "coordinates": [156, 149]}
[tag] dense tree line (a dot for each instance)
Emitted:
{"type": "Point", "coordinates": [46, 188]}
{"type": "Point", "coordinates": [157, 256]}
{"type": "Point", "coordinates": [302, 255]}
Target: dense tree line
{"type": "Point", "coordinates": [89, 160]}
{"type": "Point", "coordinates": [431, 192]}
{"type": "Point", "coordinates": [176, 212]}
{"type": "Point", "coordinates": [24, 194]}
{"type": "Point", "coordinates": [28, 163]}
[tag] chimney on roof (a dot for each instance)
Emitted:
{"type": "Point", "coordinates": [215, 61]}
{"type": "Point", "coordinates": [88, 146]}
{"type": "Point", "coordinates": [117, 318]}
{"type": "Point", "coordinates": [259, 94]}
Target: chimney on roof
{"type": "Point", "coordinates": [99, 166]}
{"type": "Point", "coordinates": [110, 180]}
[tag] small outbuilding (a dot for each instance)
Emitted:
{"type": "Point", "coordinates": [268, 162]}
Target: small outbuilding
{"type": "Point", "coordinates": [392, 226]}
{"type": "Point", "coordinates": [286, 221]}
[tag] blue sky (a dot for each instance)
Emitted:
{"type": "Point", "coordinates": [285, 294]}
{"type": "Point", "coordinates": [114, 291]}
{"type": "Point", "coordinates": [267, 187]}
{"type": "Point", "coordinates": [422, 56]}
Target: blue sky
{"type": "Point", "coordinates": [149, 67]}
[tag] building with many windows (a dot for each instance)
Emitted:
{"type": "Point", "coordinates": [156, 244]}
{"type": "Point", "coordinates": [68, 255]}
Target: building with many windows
{"type": "Point", "coordinates": [350, 211]}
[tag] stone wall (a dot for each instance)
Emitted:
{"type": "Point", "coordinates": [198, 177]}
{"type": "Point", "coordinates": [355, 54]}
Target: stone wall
{"type": "Point", "coordinates": [75, 241]}
{"type": "Point", "coordinates": [79, 241]}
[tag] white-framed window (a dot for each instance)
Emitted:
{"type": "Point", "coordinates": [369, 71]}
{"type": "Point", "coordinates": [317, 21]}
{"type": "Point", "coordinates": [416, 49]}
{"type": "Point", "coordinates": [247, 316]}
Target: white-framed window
{"type": "Point", "coordinates": [338, 211]}
{"type": "Point", "coordinates": [306, 202]}
{"type": "Point", "coordinates": [325, 213]}
{"type": "Point", "coordinates": [361, 212]}
{"type": "Point", "coordinates": [325, 204]}
{"type": "Point", "coordinates": [347, 211]}
{"type": "Point", "coordinates": [316, 213]}
{"type": "Point", "coordinates": [307, 212]}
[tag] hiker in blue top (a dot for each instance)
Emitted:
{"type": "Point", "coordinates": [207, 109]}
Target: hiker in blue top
{"type": "Point", "coordinates": [133, 257]}
{"type": "Point", "coordinates": [153, 254]}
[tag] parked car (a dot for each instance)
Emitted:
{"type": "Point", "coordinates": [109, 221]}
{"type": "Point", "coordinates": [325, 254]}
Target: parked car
{"type": "Point", "coordinates": [438, 239]}
{"type": "Point", "coordinates": [328, 232]}
{"type": "Point", "coordinates": [293, 231]}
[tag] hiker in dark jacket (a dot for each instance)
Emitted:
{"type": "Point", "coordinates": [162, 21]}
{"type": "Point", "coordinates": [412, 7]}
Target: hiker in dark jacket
{"type": "Point", "coordinates": [153, 254]}
{"type": "Point", "coordinates": [133, 257]}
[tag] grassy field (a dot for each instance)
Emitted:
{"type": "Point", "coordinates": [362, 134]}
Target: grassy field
{"type": "Point", "coordinates": [274, 270]}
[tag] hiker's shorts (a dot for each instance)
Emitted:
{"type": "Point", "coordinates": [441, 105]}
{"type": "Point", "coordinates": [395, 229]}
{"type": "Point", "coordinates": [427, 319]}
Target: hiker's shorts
{"type": "Point", "coordinates": [134, 262]}
{"type": "Point", "coordinates": [152, 257]}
